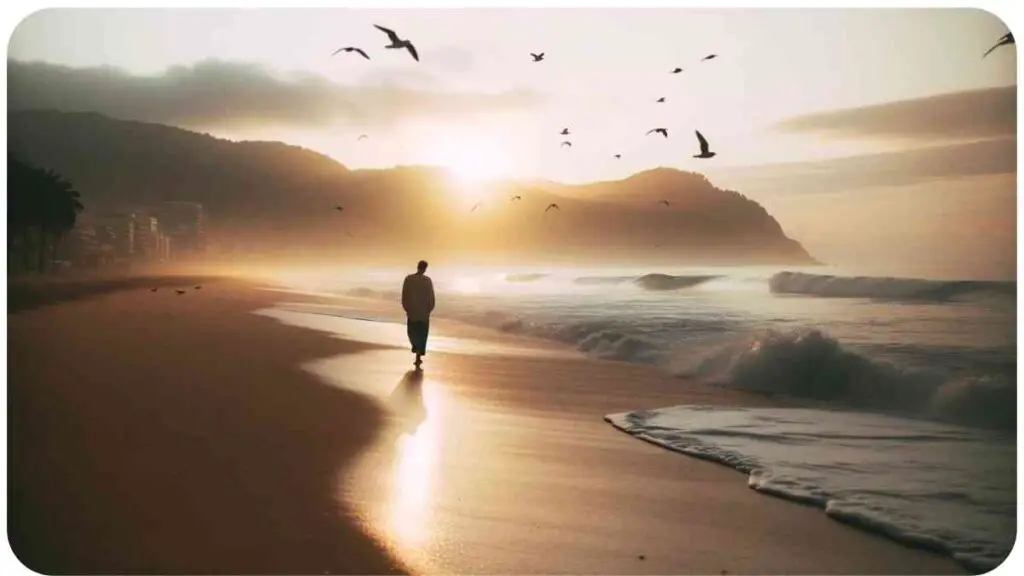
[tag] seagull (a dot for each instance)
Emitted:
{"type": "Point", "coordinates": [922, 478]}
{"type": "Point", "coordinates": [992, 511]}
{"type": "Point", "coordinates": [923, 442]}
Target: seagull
{"type": "Point", "coordinates": [516, 198]}
{"type": "Point", "coordinates": [398, 43]}
{"type": "Point", "coordinates": [351, 49]}
{"type": "Point", "coordinates": [475, 206]}
{"type": "Point", "coordinates": [564, 132]}
{"type": "Point", "coordinates": [709, 57]}
{"type": "Point", "coordinates": [152, 289]}
{"type": "Point", "coordinates": [349, 233]}
{"type": "Point", "coordinates": [662, 99]}
{"type": "Point", "coordinates": [665, 202]}
{"type": "Point", "coordinates": [180, 292]}
{"type": "Point", "coordinates": [617, 156]}
{"type": "Point", "coordinates": [677, 71]}
{"type": "Point", "coordinates": [567, 143]}
{"type": "Point", "coordinates": [662, 131]}
{"type": "Point", "coordinates": [704, 151]}
{"type": "Point", "coordinates": [339, 208]}
{"type": "Point", "coordinates": [199, 287]}
{"type": "Point", "coordinates": [362, 137]}
{"type": "Point", "coordinates": [550, 206]}
{"type": "Point", "coordinates": [537, 57]}
{"type": "Point", "coordinates": [1006, 39]}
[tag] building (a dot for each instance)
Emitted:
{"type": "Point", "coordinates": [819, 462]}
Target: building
{"type": "Point", "coordinates": [117, 230]}
{"type": "Point", "coordinates": [164, 248]}
{"type": "Point", "coordinates": [146, 237]}
{"type": "Point", "coordinates": [185, 224]}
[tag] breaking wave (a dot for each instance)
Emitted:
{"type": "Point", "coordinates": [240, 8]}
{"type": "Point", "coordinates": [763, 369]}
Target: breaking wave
{"type": "Point", "coordinates": [656, 282]}
{"type": "Point", "coordinates": [531, 277]}
{"type": "Point", "coordinates": [810, 364]}
{"type": "Point", "coordinates": [885, 288]}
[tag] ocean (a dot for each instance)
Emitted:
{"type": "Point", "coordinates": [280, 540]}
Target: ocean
{"type": "Point", "coordinates": [915, 379]}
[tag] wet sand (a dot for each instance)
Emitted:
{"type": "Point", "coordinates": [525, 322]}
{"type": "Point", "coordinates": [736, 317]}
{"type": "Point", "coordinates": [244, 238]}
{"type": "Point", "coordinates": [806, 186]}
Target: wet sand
{"type": "Point", "coordinates": [155, 433]}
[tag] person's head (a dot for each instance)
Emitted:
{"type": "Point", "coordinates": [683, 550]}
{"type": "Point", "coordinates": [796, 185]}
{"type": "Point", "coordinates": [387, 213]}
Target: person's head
{"type": "Point", "coordinates": [421, 267]}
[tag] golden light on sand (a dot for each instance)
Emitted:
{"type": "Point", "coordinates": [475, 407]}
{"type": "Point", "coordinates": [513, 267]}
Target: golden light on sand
{"type": "Point", "coordinates": [414, 477]}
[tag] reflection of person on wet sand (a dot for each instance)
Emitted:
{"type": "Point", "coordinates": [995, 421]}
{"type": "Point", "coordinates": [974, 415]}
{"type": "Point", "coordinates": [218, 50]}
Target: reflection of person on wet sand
{"type": "Point", "coordinates": [406, 402]}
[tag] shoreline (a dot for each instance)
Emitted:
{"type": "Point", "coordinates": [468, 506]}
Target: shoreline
{"type": "Point", "coordinates": [509, 435]}
{"type": "Point", "coordinates": [550, 409]}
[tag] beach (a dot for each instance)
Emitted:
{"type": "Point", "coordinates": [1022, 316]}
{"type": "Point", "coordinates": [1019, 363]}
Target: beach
{"type": "Point", "coordinates": [157, 433]}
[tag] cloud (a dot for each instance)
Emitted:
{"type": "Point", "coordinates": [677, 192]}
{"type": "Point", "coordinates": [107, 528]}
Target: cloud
{"type": "Point", "coordinates": [223, 94]}
{"type": "Point", "coordinates": [987, 113]}
{"type": "Point", "coordinates": [902, 168]}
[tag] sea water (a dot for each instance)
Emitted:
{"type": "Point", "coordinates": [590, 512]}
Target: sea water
{"type": "Point", "coordinates": [934, 359]}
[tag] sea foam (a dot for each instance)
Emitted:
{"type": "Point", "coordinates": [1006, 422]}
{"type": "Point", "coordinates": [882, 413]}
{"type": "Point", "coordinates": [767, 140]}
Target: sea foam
{"type": "Point", "coordinates": [941, 487]}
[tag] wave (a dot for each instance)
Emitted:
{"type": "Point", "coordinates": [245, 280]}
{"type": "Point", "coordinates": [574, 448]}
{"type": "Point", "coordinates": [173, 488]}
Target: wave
{"type": "Point", "coordinates": [807, 363]}
{"type": "Point", "coordinates": [944, 488]}
{"type": "Point", "coordinates": [654, 282]}
{"type": "Point", "coordinates": [602, 280]}
{"type": "Point", "coordinates": [531, 277]}
{"type": "Point", "coordinates": [885, 288]}
{"type": "Point", "coordinates": [666, 282]}
{"type": "Point", "coordinates": [368, 293]}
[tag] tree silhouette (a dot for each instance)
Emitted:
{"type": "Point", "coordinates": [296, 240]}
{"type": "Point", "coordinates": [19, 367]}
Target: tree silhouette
{"type": "Point", "coordinates": [42, 210]}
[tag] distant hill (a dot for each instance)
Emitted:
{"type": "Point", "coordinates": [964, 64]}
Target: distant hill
{"type": "Point", "coordinates": [272, 196]}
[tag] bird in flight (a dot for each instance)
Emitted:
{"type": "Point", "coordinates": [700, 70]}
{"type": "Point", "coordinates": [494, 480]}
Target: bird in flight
{"type": "Point", "coordinates": [617, 156]}
{"type": "Point", "coordinates": [550, 206]}
{"type": "Point", "coordinates": [180, 292]}
{"type": "Point", "coordinates": [709, 57]}
{"type": "Point", "coordinates": [705, 152]}
{"type": "Point", "coordinates": [677, 71]}
{"type": "Point", "coordinates": [662, 131]}
{"type": "Point", "coordinates": [662, 99]}
{"type": "Point", "coordinates": [537, 57]}
{"type": "Point", "coordinates": [567, 143]}
{"type": "Point", "coordinates": [199, 287]}
{"type": "Point", "coordinates": [665, 202]}
{"type": "Point", "coordinates": [349, 233]}
{"type": "Point", "coordinates": [398, 43]}
{"type": "Point", "coordinates": [152, 289]}
{"type": "Point", "coordinates": [516, 198]}
{"type": "Point", "coordinates": [362, 137]}
{"type": "Point", "coordinates": [351, 49]}
{"type": "Point", "coordinates": [339, 208]}
{"type": "Point", "coordinates": [1006, 39]}
{"type": "Point", "coordinates": [475, 206]}
{"type": "Point", "coordinates": [564, 132]}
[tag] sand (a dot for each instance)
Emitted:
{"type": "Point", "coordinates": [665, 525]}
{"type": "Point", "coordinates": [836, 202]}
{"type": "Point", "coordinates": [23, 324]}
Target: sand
{"type": "Point", "coordinates": [152, 433]}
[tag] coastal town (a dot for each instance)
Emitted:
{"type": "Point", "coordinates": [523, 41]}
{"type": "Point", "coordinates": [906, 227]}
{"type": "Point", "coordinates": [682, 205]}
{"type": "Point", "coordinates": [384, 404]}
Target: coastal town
{"type": "Point", "coordinates": [169, 231]}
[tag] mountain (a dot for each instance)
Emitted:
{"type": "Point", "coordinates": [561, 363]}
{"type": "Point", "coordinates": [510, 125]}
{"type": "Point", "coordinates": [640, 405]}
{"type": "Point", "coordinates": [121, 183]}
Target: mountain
{"type": "Point", "coordinates": [275, 197]}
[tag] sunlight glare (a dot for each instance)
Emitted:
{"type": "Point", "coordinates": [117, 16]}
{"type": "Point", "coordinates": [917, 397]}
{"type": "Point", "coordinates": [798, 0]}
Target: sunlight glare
{"type": "Point", "coordinates": [413, 480]}
{"type": "Point", "coordinates": [473, 162]}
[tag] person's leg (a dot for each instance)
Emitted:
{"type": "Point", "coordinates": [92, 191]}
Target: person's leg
{"type": "Point", "coordinates": [410, 331]}
{"type": "Point", "coordinates": [423, 340]}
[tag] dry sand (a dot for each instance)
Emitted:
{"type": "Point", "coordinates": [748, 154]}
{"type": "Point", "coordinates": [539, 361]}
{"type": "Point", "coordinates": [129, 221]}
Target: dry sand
{"type": "Point", "coordinates": [155, 433]}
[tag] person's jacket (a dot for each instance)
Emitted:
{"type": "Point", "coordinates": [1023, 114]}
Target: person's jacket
{"type": "Point", "coordinates": [418, 297]}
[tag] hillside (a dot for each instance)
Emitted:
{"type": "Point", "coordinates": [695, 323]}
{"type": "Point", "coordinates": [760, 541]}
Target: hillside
{"type": "Point", "coordinates": [272, 196]}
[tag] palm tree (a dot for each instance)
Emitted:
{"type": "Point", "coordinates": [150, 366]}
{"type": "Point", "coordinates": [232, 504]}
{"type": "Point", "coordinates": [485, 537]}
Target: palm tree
{"type": "Point", "coordinates": [42, 210]}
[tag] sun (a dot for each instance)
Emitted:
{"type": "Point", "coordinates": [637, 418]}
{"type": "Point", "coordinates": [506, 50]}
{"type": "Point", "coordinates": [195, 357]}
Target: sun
{"type": "Point", "coordinates": [473, 162]}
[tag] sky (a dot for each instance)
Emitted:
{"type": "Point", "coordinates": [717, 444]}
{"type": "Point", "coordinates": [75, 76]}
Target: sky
{"type": "Point", "coordinates": [477, 93]}
{"type": "Point", "coordinates": [789, 91]}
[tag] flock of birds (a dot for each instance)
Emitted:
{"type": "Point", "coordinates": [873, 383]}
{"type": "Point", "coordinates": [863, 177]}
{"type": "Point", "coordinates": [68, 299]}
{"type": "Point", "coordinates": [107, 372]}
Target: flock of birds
{"type": "Point", "coordinates": [396, 42]}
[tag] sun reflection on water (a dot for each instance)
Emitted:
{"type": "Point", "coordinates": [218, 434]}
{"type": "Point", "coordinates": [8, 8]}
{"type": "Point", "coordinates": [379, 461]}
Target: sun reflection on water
{"type": "Point", "coordinates": [414, 481]}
